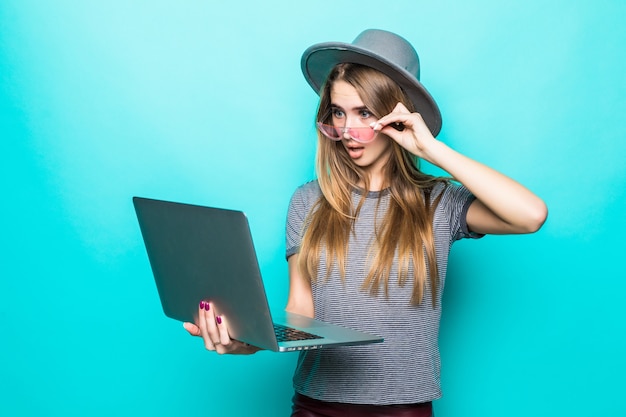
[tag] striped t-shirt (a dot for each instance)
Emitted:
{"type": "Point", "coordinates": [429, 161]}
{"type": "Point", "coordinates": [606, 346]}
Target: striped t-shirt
{"type": "Point", "coordinates": [405, 368]}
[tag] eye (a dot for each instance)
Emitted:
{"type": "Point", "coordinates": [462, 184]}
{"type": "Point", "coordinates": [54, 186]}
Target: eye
{"type": "Point", "coordinates": [337, 113]}
{"type": "Point", "coordinates": [365, 114]}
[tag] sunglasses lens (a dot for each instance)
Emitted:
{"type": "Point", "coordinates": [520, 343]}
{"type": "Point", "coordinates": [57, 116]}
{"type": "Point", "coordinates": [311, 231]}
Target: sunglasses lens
{"type": "Point", "coordinates": [362, 134]}
{"type": "Point", "coordinates": [359, 134]}
{"type": "Point", "coordinates": [331, 132]}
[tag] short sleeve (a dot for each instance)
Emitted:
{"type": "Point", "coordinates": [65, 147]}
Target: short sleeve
{"type": "Point", "coordinates": [302, 200]}
{"type": "Point", "coordinates": [452, 208]}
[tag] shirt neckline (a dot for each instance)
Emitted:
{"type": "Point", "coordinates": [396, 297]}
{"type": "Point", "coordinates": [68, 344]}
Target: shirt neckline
{"type": "Point", "coordinates": [371, 194]}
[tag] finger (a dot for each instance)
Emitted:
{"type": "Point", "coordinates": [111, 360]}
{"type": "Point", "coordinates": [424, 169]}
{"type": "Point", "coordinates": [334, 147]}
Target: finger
{"type": "Point", "coordinates": [411, 121]}
{"type": "Point", "coordinates": [192, 329]}
{"type": "Point", "coordinates": [222, 327]}
{"type": "Point", "coordinates": [397, 121]}
{"type": "Point", "coordinates": [390, 125]}
{"type": "Point", "coordinates": [223, 344]}
{"type": "Point", "coordinates": [203, 324]}
{"type": "Point", "coordinates": [211, 324]}
{"type": "Point", "coordinates": [400, 108]}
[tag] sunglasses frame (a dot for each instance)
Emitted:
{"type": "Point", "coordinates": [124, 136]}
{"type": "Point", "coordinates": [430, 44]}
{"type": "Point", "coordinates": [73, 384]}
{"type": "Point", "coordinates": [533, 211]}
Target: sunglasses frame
{"type": "Point", "coordinates": [326, 128]}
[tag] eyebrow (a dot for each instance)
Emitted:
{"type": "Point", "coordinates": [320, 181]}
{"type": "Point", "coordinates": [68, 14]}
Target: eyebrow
{"type": "Point", "coordinates": [334, 106]}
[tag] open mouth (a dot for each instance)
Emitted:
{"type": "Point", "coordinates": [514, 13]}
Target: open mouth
{"type": "Point", "coordinates": [355, 151]}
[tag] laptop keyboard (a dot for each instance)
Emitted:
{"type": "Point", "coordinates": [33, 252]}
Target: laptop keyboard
{"type": "Point", "coordinates": [288, 334]}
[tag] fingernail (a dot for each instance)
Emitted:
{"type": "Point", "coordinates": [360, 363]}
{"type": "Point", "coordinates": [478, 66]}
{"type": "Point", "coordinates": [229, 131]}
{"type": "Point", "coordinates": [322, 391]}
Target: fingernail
{"type": "Point", "coordinates": [375, 125]}
{"type": "Point", "coordinates": [201, 305]}
{"type": "Point", "coordinates": [218, 319]}
{"type": "Point", "coordinates": [207, 306]}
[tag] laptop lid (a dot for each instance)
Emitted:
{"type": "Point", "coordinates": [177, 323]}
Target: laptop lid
{"type": "Point", "coordinates": [204, 253]}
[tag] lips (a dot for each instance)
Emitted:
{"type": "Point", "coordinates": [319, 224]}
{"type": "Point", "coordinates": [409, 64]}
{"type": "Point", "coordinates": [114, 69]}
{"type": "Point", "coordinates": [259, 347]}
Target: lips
{"type": "Point", "coordinates": [355, 151]}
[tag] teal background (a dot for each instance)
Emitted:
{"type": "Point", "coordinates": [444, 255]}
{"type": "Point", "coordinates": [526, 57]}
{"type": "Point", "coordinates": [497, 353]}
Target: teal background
{"type": "Point", "coordinates": [204, 102]}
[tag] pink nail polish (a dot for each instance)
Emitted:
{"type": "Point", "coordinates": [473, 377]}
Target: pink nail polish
{"type": "Point", "coordinates": [207, 306]}
{"type": "Point", "coordinates": [201, 305]}
{"type": "Point", "coordinates": [218, 319]}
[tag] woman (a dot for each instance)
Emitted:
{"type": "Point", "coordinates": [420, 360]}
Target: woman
{"type": "Point", "coordinates": [368, 241]}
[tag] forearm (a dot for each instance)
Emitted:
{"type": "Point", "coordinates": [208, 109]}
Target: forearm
{"type": "Point", "coordinates": [300, 300]}
{"type": "Point", "coordinates": [520, 209]}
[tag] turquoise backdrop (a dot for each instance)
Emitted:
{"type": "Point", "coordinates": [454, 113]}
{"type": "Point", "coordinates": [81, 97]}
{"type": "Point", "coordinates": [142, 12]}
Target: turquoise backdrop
{"type": "Point", "coordinates": [204, 102]}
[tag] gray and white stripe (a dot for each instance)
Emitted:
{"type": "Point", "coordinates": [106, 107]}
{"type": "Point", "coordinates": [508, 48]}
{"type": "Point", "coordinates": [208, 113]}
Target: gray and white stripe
{"type": "Point", "coordinates": [406, 367]}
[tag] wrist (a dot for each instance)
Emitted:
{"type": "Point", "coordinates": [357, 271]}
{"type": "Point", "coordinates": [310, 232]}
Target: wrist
{"type": "Point", "coordinates": [436, 153]}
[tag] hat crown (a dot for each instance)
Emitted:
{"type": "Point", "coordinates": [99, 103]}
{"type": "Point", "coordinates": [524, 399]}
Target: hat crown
{"type": "Point", "coordinates": [383, 51]}
{"type": "Point", "coordinates": [390, 47]}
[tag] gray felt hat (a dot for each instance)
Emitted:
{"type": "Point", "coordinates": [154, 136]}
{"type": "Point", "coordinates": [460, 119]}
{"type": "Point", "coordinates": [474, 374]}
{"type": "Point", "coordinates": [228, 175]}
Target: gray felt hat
{"type": "Point", "coordinates": [384, 51]}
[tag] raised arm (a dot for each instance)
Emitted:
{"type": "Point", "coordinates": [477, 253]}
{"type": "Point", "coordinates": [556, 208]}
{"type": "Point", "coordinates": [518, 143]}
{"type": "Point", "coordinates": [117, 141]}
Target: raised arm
{"type": "Point", "coordinates": [502, 205]}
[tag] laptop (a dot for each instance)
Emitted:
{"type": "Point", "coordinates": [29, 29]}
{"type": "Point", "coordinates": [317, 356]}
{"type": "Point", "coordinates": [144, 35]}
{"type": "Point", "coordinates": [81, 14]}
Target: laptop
{"type": "Point", "coordinates": [205, 253]}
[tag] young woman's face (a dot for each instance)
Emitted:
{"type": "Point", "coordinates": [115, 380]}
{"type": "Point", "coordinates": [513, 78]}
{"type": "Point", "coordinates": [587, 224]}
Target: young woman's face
{"type": "Point", "coordinates": [348, 110]}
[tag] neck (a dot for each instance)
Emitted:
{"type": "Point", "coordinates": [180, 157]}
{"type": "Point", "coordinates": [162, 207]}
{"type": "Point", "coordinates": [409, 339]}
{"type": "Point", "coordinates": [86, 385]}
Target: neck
{"type": "Point", "coordinates": [376, 183]}
{"type": "Point", "coordinates": [376, 176]}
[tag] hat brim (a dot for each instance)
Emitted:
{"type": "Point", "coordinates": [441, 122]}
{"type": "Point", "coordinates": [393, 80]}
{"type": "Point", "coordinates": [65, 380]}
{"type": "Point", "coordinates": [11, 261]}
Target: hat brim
{"type": "Point", "coordinates": [319, 60]}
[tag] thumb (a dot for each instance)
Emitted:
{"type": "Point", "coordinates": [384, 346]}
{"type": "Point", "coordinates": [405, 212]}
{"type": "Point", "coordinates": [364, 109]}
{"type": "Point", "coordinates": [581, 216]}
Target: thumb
{"type": "Point", "coordinates": [192, 329]}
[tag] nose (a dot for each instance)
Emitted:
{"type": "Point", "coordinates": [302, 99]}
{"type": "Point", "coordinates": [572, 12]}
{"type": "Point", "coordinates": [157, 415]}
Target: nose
{"type": "Point", "coordinates": [346, 127]}
{"type": "Point", "coordinates": [346, 135]}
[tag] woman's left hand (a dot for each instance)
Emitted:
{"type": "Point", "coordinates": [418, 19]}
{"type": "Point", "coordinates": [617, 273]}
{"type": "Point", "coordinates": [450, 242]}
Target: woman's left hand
{"type": "Point", "coordinates": [415, 137]}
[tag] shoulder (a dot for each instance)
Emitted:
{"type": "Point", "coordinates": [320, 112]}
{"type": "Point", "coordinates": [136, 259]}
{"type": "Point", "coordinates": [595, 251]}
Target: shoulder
{"type": "Point", "coordinates": [302, 200]}
{"type": "Point", "coordinates": [449, 192]}
{"type": "Point", "coordinates": [307, 193]}
{"type": "Point", "coordinates": [311, 187]}
{"type": "Point", "coordinates": [453, 201]}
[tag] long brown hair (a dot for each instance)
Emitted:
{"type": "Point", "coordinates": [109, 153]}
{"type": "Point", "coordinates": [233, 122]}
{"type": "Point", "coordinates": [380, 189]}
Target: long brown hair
{"type": "Point", "coordinates": [405, 230]}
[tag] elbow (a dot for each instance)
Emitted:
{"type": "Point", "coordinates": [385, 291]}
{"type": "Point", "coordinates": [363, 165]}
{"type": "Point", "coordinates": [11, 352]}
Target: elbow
{"type": "Point", "coordinates": [307, 311]}
{"type": "Point", "coordinates": [536, 217]}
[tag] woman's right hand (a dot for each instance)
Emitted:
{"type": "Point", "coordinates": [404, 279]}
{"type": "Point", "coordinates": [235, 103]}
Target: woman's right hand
{"type": "Point", "coordinates": [214, 332]}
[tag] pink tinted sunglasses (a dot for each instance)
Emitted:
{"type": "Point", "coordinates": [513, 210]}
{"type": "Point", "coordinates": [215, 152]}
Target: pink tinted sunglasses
{"type": "Point", "coordinates": [363, 134]}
